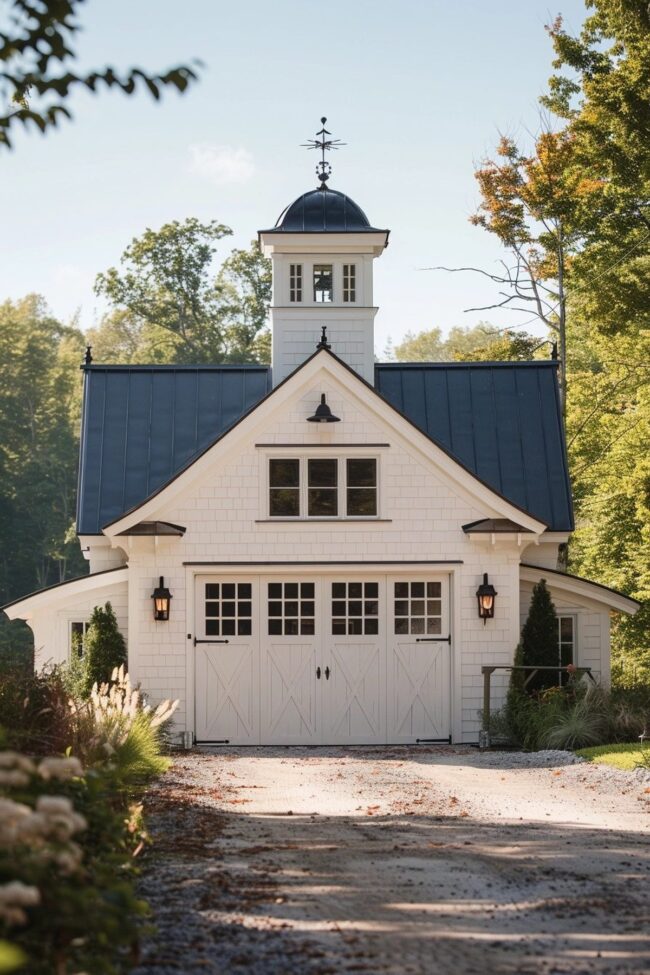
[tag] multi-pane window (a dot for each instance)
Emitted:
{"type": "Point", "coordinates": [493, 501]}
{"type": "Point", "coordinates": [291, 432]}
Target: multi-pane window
{"type": "Point", "coordinates": [361, 477]}
{"type": "Point", "coordinates": [77, 636]}
{"type": "Point", "coordinates": [291, 609]}
{"type": "Point", "coordinates": [228, 609]}
{"type": "Point", "coordinates": [565, 643]}
{"type": "Point", "coordinates": [295, 282]}
{"type": "Point", "coordinates": [355, 608]}
{"type": "Point", "coordinates": [349, 282]}
{"type": "Point", "coordinates": [418, 607]}
{"type": "Point", "coordinates": [323, 283]}
{"type": "Point", "coordinates": [322, 488]}
{"type": "Point", "coordinates": [284, 488]}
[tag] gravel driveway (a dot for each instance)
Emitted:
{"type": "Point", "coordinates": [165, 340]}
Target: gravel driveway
{"type": "Point", "coordinates": [278, 861]}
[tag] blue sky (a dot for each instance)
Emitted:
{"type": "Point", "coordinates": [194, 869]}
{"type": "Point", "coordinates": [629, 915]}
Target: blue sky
{"type": "Point", "coordinates": [419, 90]}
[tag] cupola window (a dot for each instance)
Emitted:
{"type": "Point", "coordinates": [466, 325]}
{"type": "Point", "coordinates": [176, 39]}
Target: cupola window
{"type": "Point", "coordinates": [295, 282]}
{"type": "Point", "coordinates": [349, 282]}
{"type": "Point", "coordinates": [323, 287]}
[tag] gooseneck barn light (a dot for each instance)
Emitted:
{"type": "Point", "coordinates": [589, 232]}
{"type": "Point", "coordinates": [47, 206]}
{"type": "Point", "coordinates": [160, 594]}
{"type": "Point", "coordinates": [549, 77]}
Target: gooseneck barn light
{"type": "Point", "coordinates": [323, 413]}
{"type": "Point", "coordinates": [486, 594]}
{"type": "Point", "coordinates": [161, 599]}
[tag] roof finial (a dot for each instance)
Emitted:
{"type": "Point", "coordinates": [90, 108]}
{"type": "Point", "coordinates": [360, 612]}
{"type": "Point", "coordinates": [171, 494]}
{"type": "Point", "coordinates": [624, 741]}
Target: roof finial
{"type": "Point", "coordinates": [88, 358]}
{"type": "Point", "coordinates": [323, 168]}
{"type": "Point", "coordinates": [323, 344]}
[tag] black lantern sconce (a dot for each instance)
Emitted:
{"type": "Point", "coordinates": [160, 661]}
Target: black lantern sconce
{"type": "Point", "coordinates": [486, 594]}
{"type": "Point", "coordinates": [161, 599]}
{"type": "Point", "coordinates": [323, 413]}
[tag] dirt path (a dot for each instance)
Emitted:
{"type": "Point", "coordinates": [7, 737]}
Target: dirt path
{"type": "Point", "coordinates": [396, 861]}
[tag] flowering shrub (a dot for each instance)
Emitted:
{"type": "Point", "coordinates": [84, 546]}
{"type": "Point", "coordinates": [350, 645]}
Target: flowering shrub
{"type": "Point", "coordinates": [70, 831]}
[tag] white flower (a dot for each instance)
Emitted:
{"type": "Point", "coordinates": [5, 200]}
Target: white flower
{"type": "Point", "coordinates": [15, 760]}
{"type": "Point", "coordinates": [60, 768]}
{"type": "Point", "coordinates": [19, 894]}
{"type": "Point", "coordinates": [13, 778]}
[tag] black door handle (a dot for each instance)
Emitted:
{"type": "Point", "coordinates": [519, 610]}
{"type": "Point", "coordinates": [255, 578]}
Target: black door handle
{"type": "Point", "coordinates": [318, 673]}
{"type": "Point", "coordinates": [327, 673]}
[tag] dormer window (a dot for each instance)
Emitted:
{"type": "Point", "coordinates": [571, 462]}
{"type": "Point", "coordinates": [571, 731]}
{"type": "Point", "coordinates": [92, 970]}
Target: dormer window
{"type": "Point", "coordinates": [323, 286]}
{"type": "Point", "coordinates": [295, 282]}
{"type": "Point", "coordinates": [349, 282]}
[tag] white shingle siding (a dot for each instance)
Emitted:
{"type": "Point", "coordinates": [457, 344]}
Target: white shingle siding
{"type": "Point", "coordinates": [51, 626]}
{"type": "Point", "coordinates": [221, 513]}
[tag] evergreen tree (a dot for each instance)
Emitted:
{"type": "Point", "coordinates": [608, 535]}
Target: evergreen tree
{"type": "Point", "coordinates": [104, 647]}
{"type": "Point", "coordinates": [539, 645]}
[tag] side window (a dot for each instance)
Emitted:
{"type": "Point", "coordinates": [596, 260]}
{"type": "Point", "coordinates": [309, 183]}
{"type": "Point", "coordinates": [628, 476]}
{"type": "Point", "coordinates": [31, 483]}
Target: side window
{"type": "Point", "coordinates": [349, 282]}
{"type": "Point", "coordinates": [295, 282]}
{"type": "Point", "coordinates": [323, 287]}
{"type": "Point", "coordinates": [77, 636]}
{"type": "Point", "coordinates": [284, 488]}
{"type": "Point", "coordinates": [566, 643]}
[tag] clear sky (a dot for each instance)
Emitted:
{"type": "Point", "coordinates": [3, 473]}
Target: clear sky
{"type": "Point", "coordinates": [419, 89]}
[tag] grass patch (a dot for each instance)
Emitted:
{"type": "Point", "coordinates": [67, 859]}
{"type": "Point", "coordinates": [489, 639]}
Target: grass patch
{"type": "Point", "coordinates": [626, 757]}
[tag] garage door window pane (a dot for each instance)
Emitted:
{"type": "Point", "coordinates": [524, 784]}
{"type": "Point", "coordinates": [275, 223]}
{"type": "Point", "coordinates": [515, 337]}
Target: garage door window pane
{"type": "Point", "coordinates": [287, 615]}
{"type": "Point", "coordinates": [355, 614]}
{"type": "Point", "coordinates": [284, 488]}
{"type": "Point", "coordinates": [415, 614]}
{"type": "Point", "coordinates": [230, 615]}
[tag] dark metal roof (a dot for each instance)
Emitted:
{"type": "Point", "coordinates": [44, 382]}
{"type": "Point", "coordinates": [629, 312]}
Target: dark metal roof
{"type": "Point", "coordinates": [323, 211]}
{"type": "Point", "coordinates": [501, 420]}
{"type": "Point", "coordinates": [154, 528]}
{"type": "Point", "coordinates": [141, 424]}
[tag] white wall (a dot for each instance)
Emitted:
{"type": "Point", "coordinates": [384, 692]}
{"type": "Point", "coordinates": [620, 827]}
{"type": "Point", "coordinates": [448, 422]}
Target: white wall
{"type": "Point", "coordinates": [225, 520]}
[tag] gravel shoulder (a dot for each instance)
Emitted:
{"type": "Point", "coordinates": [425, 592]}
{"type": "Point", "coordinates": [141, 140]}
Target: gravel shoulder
{"type": "Point", "coordinates": [387, 861]}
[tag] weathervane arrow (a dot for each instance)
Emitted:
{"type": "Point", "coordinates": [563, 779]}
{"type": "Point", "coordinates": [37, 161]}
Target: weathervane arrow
{"type": "Point", "coordinates": [323, 168]}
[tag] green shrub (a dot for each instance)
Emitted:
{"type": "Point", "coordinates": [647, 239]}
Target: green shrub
{"type": "Point", "coordinates": [34, 711]}
{"type": "Point", "coordinates": [579, 723]}
{"type": "Point", "coordinates": [539, 646]}
{"type": "Point", "coordinates": [104, 648]}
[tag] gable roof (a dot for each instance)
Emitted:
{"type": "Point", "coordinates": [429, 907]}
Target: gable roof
{"type": "Point", "coordinates": [142, 424]}
{"type": "Point", "coordinates": [501, 420]}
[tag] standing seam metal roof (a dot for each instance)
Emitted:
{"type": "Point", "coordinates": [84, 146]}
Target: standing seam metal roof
{"type": "Point", "coordinates": [142, 424]}
{"type": "Point", "coordinates": [502, 420]}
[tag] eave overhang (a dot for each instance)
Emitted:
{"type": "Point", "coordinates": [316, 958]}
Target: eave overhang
{"type": "Point", "coordinates": [25, 607]}
{"type": "Point", "coordinates": [578, 586]}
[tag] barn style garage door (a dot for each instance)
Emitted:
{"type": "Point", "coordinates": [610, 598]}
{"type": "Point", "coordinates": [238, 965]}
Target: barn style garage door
{"type": "Point", "coordinates": [322, 660]}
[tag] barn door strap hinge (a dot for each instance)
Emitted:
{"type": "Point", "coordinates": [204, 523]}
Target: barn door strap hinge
{"type": "Point", "coordinates": [209, 641]}
{"type": "Point", "coordinates": [434, 639]}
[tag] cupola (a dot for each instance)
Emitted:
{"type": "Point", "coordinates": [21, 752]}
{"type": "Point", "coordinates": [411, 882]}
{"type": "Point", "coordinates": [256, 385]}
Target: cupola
{"type": "Point", "coordinates": [322, 249]}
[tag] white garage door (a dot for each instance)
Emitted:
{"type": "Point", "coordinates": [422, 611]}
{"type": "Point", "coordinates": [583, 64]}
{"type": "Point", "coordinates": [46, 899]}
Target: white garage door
{"type": "Point", "coordinates": [322, 660]}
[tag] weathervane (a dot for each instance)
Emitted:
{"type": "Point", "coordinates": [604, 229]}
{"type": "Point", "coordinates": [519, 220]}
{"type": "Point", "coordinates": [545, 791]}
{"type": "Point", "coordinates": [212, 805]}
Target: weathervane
{"type": "Point", "coordinates": [323, 168]}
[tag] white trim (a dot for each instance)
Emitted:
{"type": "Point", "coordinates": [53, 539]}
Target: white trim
{"type": "Point", "coordinates": [25, 609]}
{"type": "Point", "coordinates": [580, 587]}
{"type": "Point", "coordinates": [304, 377]}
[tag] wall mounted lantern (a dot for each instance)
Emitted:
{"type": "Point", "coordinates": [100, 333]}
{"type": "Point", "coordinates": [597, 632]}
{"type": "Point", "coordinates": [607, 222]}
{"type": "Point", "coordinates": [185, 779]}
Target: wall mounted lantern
{"type": "Point", "coordinates": [161, 599]}
{"type": "Point", "coordinates": [323, 413]}
{"type": "Point", "coordinates": [486, 594]}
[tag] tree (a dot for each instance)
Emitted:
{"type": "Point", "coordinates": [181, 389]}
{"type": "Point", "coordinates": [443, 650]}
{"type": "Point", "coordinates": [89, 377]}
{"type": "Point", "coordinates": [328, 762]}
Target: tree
{"type": "Point", "coordinates": [104, 647]}
{"type": "Point", "coordinates": [36, 81]}
{"type": "Point", "coordinates": [539, 638]}
{"type": "Point", "coordinates": [482, 342]}
{"type": "Point", "coordinates": [170, 306]}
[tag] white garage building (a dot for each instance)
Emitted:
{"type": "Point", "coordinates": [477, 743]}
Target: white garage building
{"type": "Point", "coordinates": [323, 575]}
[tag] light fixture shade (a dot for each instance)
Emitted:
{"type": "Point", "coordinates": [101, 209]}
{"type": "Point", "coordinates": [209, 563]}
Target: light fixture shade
{"type": "Point", "coordinates": [486, 594]}
{"type": "Point", "coordinates": [161, 601]}
{"type": "Point", "coordinates": [323, 413]}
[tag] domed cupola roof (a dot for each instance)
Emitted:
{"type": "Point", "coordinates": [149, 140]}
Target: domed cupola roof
{"type": "Point", "coordinates": [323, 211]}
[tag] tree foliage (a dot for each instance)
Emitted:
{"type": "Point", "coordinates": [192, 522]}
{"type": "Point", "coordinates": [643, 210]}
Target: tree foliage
{"type": "Point", "coordinates": [104, 647]}
{"type": "Point", "coordinates": [539, 638]}
{"type": "Point", "coordinates": [171, 306]}
{"type": "Point", "coordinates": [37, 47]}
{"type": "Point", "coordinates": [482, 342]}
